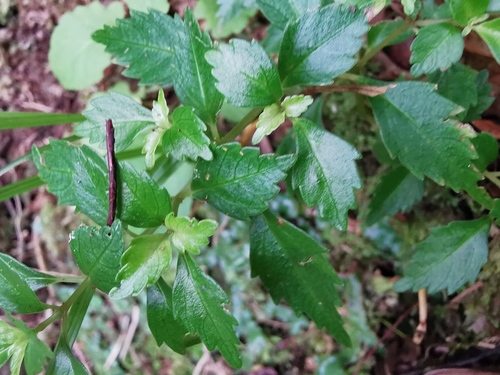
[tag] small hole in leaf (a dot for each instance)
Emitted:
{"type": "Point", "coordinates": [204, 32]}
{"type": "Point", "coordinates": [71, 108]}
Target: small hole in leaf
{"type": "Point", "coordinates": [108, 234]}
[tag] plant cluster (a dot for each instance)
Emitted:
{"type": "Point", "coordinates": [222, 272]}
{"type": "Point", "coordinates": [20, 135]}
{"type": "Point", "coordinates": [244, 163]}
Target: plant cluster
{"type": "Point", "coordinates": [319, 46]}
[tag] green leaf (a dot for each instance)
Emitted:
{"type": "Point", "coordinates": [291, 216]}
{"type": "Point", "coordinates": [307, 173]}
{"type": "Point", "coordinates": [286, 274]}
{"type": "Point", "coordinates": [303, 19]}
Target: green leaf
{"type": "Point", "coordinates": [269, 120]}
{"type": "Point", "coordinates": [76, 60]}
{"type": "Point", "coordinates": [409, 6]}
{"type": "Point", "coordinates": [245, 74]}
{"type": "Point", "coordinates": [378, 33]}
{"type": "Point", "coordinates": [144, 44]}
{"type": "Point", "coordinates": [144, 5]}
{"type": "Point", "coordinates": [13, 344]}
{"type": "Point", "coordinates": [79, 177]}
{"type": "Point", "coordinates": [142, 264]}
{"type": "Point", "coordinates": [65, 362]}
{"type": "Point", "coordinates": [449, 258]}
{"type": "Point", "coordinates": [293, 266]}
{"type": "Point", "coordinates": [229, 9]}
{"type": "Point", "coordinates": [465, 10]}
{"type": "Point", "coordinates": [321, 45]}
{"type": "Point", "coordinates": [129, 120]}
{"type": "Point", "coordinates": [72, 324]}
{"type": "Point", "coordinates": [484, 98]}
{"type": "Point", "coordinates": [186, 137]}
{"type": "Point", "coordinates": [487, 149]}
{"type": "Point", "coordinates": [97, 252]}
{"type": "Point", "coordinates": [18, 120]}
{"type": "Point", "coordinates": [164, 327]}
{"type": "Point", "coordinates": [239, 182]}
{"type": "Point", "coordinates": [397, 192]}
{"type": "Point", "coordinates": [435, 47]}
{"type": "Point", "coordinates": [193, 80]}
{"type": "Point", "coordinates": [274, 115]}
{"type": "Point", "coordinates": [19, 187]}
{"type": "Point", "coordinates": [189, 234]}
{"type": "Point", "coordinates": [490, 32]}
{"type": "Point", "coordinates": [458, 84]}
{"type": "Point", "coordinates": [37, 352]}
{"type": "Point", "coordinates": [201, 304]}
{"type": "Point", "coordinates": [35, 280]}
{"type": "Point", "coordinates": [219, 28]}
{"type": "Point", "coordinates": [325, 172]}
{"type": "Point", "coordinates": [280, 12]}
{"type": "Point", "coordinates": [17, 285]}
{"type": "Point", "coordinates": [423, 141]}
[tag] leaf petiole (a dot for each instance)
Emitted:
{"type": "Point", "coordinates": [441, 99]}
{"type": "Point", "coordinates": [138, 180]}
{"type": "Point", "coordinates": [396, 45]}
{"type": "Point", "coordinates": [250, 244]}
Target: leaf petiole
{"type": "Point", "coordinates": [240, 126]}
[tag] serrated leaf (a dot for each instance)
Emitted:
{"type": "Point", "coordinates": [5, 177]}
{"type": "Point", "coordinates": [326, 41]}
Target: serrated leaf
{"type": "Point", "coordinates": [35, 280]}
{"type": "Point", "coordinates": [97, 252]}
{"type": "Point", "coordinates": [280, 12]}
{"type": "Point", "coordinates": [144, 44]}
{"type": "Point", "coordinates": [186, 137]}
{"type": "Point", "coordinates": [37, 352]}
{"type": "Point", "coordinates": [201, 304]}
{"type": "Point", "coordinates": [397, 192]}
{"type": "Point", "coordinates": [484, 98]}
{"type": "Point", "coordinates": [164, 327]}
{"type": "Point", "coordinates": [207, 10]}
{"type": "Point", "coordinates": [378, 33]}
{"type": "Point", "coordinates": [193, 80]}
{"type": "Point", "coordinates": [296, 105]}
{"type": "Point", "coordinates": [189, 234]}
{"type": "Point", "coordinates": [321, 45]}
{"type": "Point", "coordinates": [129, 120]}
{"type": "Point", "coordinates": [76, 60]}
{"type": "Point", "coordinates": [490, 32]}
{"type": "Point", "coordinates": [239, 182]}
{"type": "Point", "coordinates": [245, 74]}
{"type": "Point", "coordinates": [79, 177]}
{"type": "Point", "coordinates": [435, 47]}
{"type": "Point", "coordinates": [269, 120]}
{"type": "Point", "coordinates": [425, 143]}
{"type": "Point", "coordinates": [17, 285]}
{"type": "Point", "coordinates": [325, 172]}
{"type": "Point", "coordinates": [293, 266]}
{"type": "Point", "coordinates": [142, 264]}
{"type": "Point", "coordinates": [465, 10]}
{"type": "Point", "coordinates": [65, 362]}
{"type": "Point", "coordinates": [458, 84]}
{"type": "Point", "coordinates": [487, 149]}
{"type": "Point", "coordinates": [450, 257]}
{"type": "Point", "coordinates": [144, 5]}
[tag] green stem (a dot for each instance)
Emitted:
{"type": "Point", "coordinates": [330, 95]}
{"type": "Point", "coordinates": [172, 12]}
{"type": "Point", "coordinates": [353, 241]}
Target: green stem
{"type": "Point", "coordinates": [493, 177]}
{"type": "Point", "coordinates": [70, 279]}
{"type": "Point", "coordinates": [64, 308]}
{"type": "Point", "coordinates": [183, 194]}
{"type": "Point", "coordinates": [423, 23]}
{"type": "Point", "coordinates": [240, 126]}
{"type": "Point", "coordinates": [215, 132]}
{"type": "Point", "coordinates": [370, 52]}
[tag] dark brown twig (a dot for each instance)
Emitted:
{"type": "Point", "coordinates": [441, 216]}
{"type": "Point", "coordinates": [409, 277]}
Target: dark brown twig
{"type": "Point", "coordinates": [110, 148]}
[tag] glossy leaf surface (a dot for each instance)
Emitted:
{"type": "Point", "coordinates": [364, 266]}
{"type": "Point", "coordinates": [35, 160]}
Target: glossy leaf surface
{"type": "Point", "coordinates": [397, 192]}
{"type": "Point", "coordinates": [280, 12]}
{"type": "Point", "coordinates": [35, 280]}
{"type": "Point", "coordinates": [239, 182]}
{"type": "Point", "coordinates": [450, 257]}
{"type": "Point", "coordinates": [164, 327]}
{"type": "Point", "coordinates": [325, 172]}
{"type": "Point", "coordinates": [144, 44]}
{"type": "Point", "coordinates": [245, 74]}
{"type": "Point", "coordinates": [293, 266]}
{"type": "Point", "coordinates": [142, 264]}
{"type": "Point", "coordinates": [465, 10]}
{"type": "Point", "coordinates": [201, 305]}
{"type": "Point", "coordinates": [435, 47]}
{"type": "Point", "coordinates": [129, 120]}
{"type": "Point", "coordinates": [490, 33]}
{"type": "Point", "coordinates": [97, 252]}
{"type": "Point", "coordinates": [321, 45]}
{"type": "Point", "coordinates": [193, 80]}
{"type": "Point", "coordinates": [417, 133]}
{"type": "Point", "coordinates": [65, 362]}
{"type": "Point", "coordinates": [186, 137]}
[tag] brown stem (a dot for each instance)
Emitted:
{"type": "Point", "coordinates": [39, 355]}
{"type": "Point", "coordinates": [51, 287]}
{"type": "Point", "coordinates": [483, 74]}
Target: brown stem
{"type": "Point", "coordinates": [110, 152]}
